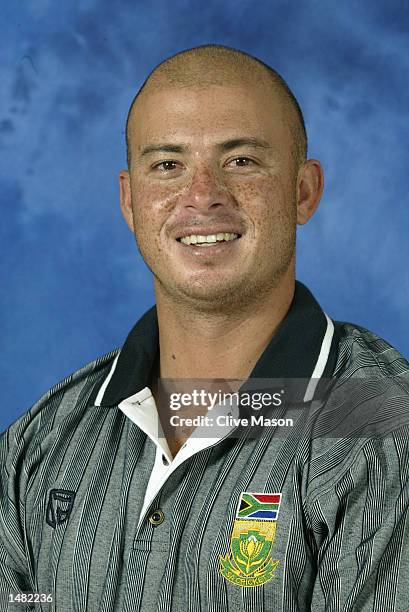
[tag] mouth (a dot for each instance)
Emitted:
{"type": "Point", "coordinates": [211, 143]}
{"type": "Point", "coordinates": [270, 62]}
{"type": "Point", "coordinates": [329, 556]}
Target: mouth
{"type": "Point", "coordinates": [208, 240]}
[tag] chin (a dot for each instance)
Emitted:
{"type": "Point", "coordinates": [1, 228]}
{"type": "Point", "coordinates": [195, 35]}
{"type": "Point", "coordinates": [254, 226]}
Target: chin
{"type": "Point", "coordinates": [224, 297]}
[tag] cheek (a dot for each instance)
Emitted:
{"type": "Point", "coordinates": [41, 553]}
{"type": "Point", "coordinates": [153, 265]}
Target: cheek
{"type": "Point", "coordinates": [153, 198]}
{"type": "Point", "coordinates": [151, 206]}
{"type": "Point", "coordinates": [266, 202]}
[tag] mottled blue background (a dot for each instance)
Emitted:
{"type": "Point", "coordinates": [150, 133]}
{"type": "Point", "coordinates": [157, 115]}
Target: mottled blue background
{"type": "Point", "coordinates": [72, 280]}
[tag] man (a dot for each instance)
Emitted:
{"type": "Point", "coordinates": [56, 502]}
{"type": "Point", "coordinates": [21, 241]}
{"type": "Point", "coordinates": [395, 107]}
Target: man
{"type": "Point", "coordinates": [99, 510]}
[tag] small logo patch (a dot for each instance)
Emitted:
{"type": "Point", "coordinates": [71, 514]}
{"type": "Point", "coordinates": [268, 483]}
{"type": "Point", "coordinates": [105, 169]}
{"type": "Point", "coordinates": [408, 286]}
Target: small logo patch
{"type": "Point", "coordinates": [249, 563]}
{"type": "Point", "coordinates": [60, 503]}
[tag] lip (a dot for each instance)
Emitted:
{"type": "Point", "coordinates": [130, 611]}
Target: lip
{"type": "Point", "coordinates": [208, 252]}
{"type": "Point", "coordinates": [206, 231]}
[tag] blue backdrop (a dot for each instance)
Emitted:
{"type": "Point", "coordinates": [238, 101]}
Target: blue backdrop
{"type": "Point", "coordinates": [72, 280]}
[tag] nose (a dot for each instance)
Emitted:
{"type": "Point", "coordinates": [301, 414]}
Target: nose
{"type": "Point", "coordinates": [205, 191]}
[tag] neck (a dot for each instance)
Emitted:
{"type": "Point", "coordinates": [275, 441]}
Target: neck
{"type": "Point", "coordinates": [196, 344]}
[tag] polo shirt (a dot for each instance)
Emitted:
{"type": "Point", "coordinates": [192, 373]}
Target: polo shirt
{"type": "Point", "coordinates": [95, 512]}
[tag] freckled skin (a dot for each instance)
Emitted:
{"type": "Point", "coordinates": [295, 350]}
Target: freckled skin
{"type": "Point", "coordinates": [205, 186]}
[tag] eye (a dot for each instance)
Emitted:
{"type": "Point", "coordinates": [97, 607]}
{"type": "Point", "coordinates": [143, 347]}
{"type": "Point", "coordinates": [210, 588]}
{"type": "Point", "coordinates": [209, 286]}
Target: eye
{"type": "Point", "coordinates": [166, 166]}
{"type": "Point", "coordinates": [240, 162]}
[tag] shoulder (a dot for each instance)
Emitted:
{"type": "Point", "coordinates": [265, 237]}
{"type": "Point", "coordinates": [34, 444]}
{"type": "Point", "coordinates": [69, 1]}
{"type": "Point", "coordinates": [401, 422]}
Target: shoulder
{"type": "Point", "coordinates": [69, 398]}
{"type": "Point", "coordinates": [365, 413]}
{"type": "Point", "coordinates": [43, 431]}
{"type": "Point", "coordinates": [362, 353]}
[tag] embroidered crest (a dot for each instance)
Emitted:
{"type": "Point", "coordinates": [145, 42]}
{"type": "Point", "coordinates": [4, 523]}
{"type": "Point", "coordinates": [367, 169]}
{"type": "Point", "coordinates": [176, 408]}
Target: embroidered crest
{"type": "Point", "coordinates": [60, 503]}
{"type": "Point", "coordinates": [249, 563]}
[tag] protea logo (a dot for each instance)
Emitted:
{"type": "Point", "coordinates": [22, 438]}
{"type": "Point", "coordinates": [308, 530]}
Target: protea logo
{"type": "Point", "coordinates": [60, 503]}
{"type": "Point", "coordinates": [250, 564]}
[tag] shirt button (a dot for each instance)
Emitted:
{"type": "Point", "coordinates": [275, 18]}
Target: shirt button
{"type": "Point", "coordinates": [156, 518]}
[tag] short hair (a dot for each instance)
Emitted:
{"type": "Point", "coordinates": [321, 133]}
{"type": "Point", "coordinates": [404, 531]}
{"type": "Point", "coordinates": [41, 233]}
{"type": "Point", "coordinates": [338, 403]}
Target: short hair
{"type": "Point", "coordinates": [173, 70]}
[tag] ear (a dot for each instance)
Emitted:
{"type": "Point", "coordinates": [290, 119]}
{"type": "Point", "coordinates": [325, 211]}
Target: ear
{"type": "Point", "coordinates": [125, 198]}
{"type": "Point", "coordinates": [310, 185]}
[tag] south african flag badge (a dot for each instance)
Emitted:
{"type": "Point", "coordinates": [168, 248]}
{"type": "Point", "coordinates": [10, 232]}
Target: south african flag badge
{"type": "Point", "coordinates": [249, 562]}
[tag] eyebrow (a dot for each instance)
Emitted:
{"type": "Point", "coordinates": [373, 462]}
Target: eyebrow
{"type": "Point", "coordinates": [223, 147]}
{"type": "Point", "coordinates": [247, 141]}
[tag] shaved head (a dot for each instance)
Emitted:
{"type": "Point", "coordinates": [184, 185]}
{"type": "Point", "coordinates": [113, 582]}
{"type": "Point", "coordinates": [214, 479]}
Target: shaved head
{"type": "Point", "coordinates": [219, 65]}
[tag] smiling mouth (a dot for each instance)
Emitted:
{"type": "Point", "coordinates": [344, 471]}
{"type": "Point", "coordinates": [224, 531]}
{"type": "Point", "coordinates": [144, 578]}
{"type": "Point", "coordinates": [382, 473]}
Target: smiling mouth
{"type": "Point", "coordinates": [209, 239]}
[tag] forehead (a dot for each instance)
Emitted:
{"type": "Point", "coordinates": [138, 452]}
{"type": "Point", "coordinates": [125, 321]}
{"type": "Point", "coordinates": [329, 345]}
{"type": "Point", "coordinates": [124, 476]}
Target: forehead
{"type": "Point", "coordinates": [207, 114]}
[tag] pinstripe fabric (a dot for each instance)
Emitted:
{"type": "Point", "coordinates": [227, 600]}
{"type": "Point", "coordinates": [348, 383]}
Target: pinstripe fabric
{"type": "Point", "coordinates": [342, 535]}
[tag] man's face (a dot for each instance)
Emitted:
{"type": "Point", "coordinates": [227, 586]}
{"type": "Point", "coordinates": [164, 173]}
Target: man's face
{"type": "Point", "coordinates": [213, 162]}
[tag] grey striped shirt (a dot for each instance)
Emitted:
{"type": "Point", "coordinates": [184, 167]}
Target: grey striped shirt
{"type": "Point", "coordinates": [76, 522]}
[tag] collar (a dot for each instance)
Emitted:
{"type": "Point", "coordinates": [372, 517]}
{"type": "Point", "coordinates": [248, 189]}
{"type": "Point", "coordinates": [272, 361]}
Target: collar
{"type": "Point", "coordinates": [304, 347]}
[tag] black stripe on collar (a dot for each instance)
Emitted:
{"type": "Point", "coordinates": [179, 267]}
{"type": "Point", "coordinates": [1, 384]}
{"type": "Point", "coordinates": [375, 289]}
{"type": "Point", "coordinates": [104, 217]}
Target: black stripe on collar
{"type": "Point", "coordinates": [292, 352]}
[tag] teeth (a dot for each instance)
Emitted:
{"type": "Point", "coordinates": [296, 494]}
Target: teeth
{"type": "Point", "coordinates": [211, 238]}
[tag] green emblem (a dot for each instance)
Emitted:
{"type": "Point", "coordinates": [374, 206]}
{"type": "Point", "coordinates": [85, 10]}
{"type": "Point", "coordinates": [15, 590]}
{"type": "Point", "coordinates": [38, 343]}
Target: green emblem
{"type": "Point", "coordinates": [250, 563]}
